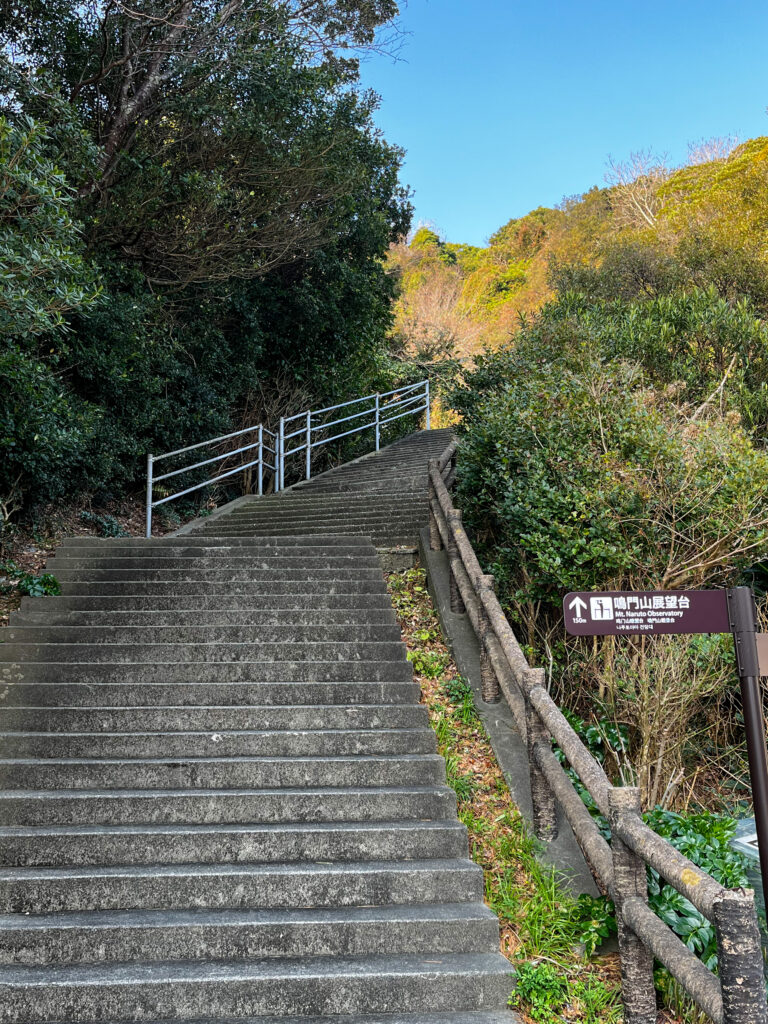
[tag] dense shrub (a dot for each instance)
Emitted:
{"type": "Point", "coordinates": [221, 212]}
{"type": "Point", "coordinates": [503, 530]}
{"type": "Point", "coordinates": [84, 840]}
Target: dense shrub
{"type": "Point", "coordinates": [578, 472]}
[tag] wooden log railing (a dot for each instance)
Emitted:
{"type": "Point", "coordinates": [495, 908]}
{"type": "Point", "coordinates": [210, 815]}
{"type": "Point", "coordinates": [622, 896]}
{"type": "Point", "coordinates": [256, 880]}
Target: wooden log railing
{"type": "Point", "coordinates": [736, 994]}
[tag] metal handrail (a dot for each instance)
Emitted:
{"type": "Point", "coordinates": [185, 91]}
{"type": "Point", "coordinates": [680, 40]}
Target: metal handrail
{"type": "Point", "coordinates": [412, 398]}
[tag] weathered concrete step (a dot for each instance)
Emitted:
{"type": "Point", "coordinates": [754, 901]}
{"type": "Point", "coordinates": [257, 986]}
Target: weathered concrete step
{"type": "Point", "coordinates": [210, 573]}
{"type": "Point", "coordinates": [285, 743]}
{"type": "Point", "coordinates": [235, 772]}
{"type": "Point", "coordinates": [201, 806]}
{"type": "Point", "coordinates": [191, 541]}
{"type": "Point", "coordinates": [217, 886]}
{"type": "Point", "coordinates": [319, 985]}
{"type": "Point", "coordinates": [309, 498]}
{"type": "Point", "coordinates": [233, 591]}
{"type": "Point", "coordinates": [410, 463]}
{"type": "Point", "coordinates": [382, 537]}
{"type": "Point", "coordinates": [288, 842]}
{"type": "Point", "coordinates": [289, 514]}
{"type": "Point", "coordinates": [137, 654]}
{"type": "Point", "coordinates": [333, 500]}
{"type": "Point", "coordinates": [217, 547]}
{"type": "Point", "coordinates": [376, 484]}
{"type": "Point", "coordinates": [294, 617]}
{"type": "Point", "coordinates": [99, 937]}
{"type": "Point", "coordinates": [250, 562]}
{"type": "Point", "coordinates": [267, 721]}
{"type": "Point", "coordinates": [192, 674]}
{"type": "Point", "coordinates": [372, 527]}
{"type": "Point", "coordinates": [228, 694]}
{"type": "Point", "coordinates": [316, 598]}
{"type": "Point", "coordinates": [462, 1017]}
{"type": "Point", "coordinates": [203, 633]}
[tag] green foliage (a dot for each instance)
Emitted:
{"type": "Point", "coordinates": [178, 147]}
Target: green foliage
{"type": "Point", "coordinates": [580, 476]}
{"type": "Point", "coordinates": [545, 991]}
{"type": "Point", "coordinates": [459, 693]}
{"type": "Point", "coordinates": [462, 783]}
{"type": "Point", "coordinates": [428, 663]}
{"type": "Point", "coordinates": [45, 585]}
{"type": "Point", "coordinates": [696, 338]}
{"type": "Point", "coordinates": [165, 277]}
{"type": "Point", "coordinates": [702, 837]}
{"type": "Point", "coordinates": [106, 525]}
{"type": "Point", "coordinates": [43, 271]}
{"type": "Point", "coordinates": [596, 921]}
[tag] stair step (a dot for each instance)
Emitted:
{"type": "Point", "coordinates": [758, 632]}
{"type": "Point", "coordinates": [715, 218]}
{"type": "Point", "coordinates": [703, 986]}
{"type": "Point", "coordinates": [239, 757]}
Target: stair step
{"type": "Point", "coordinates": [262, 671]}
{"type": "Point", "coordinates": [461, 1017]}
{"type": "Point", "coordinates": [268, 721]}
{"type": "Point", "coordinates": [211, 572]}
{"type": "Point", "coordinates": [315, 598]}
{"type": "Point", "coordinates": [259, 592]}
{"type": "Point", "coordinates": [309, 498]}
{"type": "Point", "coordinates": [146, 619]}
{"type": "Point", "coordinates": [230, 743]}
{"type": "Point", "coordinates": [38, 890]}
{"type": "Point", "coordinates": [199, 654]}
{"type": "Point", "coordinates": [247, 695]}
{"type": "Point", "coordinates": [200, 806]}
{"type": "Point", "coordinates": [77, 636]}
{"type": "Point", "coordinates": [103, 937]}
{"type": "Point", "coordinates": [115, 845]}
{"type": "Point", "coordinates": [252, 562]}
{"type": "Point", "coordinates": [329, 540]}
{"type": "Point", "coordinates": [290, 986]}
{"type": "Point", "coordinates": [233, 772]}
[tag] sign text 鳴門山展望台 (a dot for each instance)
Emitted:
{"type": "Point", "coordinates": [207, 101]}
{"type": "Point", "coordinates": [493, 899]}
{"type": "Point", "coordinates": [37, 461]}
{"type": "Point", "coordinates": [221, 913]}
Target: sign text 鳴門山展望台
{"type": "Point", "coordinates": [617, 613]}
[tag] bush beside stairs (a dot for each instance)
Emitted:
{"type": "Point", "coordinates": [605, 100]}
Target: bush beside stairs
{"type": "Point", "coordinates": [221, 800]}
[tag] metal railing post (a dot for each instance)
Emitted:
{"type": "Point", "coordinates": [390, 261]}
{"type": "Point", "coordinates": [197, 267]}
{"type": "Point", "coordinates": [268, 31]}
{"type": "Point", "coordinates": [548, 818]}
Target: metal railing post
{"type": "Point", "coordinates": [150, 460]}
{"type": "Point", "coordinates": [261, 460]}
{"type": "Point", "coordinates": [638, 992]}
{"type": "Point", "coordinates": [378, 418]}
{"type": "Point", "coordinates": [309, 445]}
{"type": "Point", "coordinates": [280, 471]}
{"type": "Point", "coordinates": [426, 391]}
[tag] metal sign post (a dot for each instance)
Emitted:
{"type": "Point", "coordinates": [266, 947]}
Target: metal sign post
{"type": "Point", "coordinates": [743, 616]}
{"type": "Point", "coordinates": [655, 612]}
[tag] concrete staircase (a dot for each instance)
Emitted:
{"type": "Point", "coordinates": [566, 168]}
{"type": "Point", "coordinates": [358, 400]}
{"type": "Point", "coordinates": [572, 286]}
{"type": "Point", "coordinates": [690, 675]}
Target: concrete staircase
{"type": "Point", "coordinates": [382, 496]}
{"type": "Point", "coordinates": [220, 798]}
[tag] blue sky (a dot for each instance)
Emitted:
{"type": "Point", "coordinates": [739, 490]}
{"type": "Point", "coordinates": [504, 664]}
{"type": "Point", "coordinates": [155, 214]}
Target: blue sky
{"type": "Point", "coordinates": [503, 106]}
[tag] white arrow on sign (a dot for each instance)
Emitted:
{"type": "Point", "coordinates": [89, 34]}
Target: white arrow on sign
{"type": "Point", "coordinates": [579, 605]}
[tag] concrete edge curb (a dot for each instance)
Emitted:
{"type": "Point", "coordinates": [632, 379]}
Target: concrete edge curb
{"type": "Point", "coordinates": [564, 853]}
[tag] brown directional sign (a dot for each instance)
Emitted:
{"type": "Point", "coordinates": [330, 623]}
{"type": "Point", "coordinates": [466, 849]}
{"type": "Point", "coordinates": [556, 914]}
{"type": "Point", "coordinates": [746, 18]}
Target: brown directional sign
{"type": "Point", "coordinates": [640, 612]}
{"type": "Point", "coordinates": [635, 612]}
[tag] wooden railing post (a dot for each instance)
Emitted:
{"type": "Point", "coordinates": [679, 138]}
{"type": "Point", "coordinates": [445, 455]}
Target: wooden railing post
{"type": "Point", "coordinates": [450, 476]}
{"type": "Point", "coordinates": [435, 540]}
{"type": "Point", "coordinates": [457, 602]}
{"type": "Point", "coordinates": [544, 808]}
{"type": "Point", "coordinates": [739, 958]}
{"type": "Point", "coordinates": [638, 992]}
{"type": "Point", "coordinates": [489, 684]}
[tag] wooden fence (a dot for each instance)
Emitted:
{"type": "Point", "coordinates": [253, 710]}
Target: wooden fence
{"type": "Point", "coordinates": [736, 995]}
